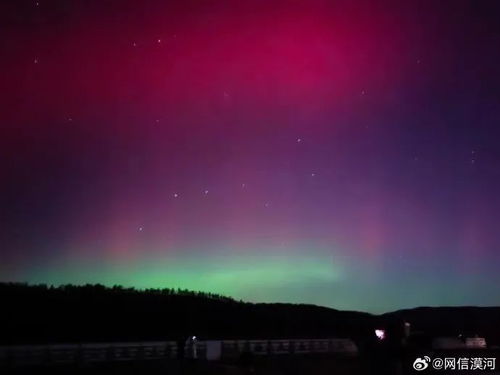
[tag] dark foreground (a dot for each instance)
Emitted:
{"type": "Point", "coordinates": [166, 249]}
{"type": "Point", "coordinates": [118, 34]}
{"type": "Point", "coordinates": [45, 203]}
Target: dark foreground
{"type": "Point", "coordinates": [282, 365]}
{"type": "Point", "coordinates": [370, 362]}
{"type": "Point", "coordinates": [263, 366]}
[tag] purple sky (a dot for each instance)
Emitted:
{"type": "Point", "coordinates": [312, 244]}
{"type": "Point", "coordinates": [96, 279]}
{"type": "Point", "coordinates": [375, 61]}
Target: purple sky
{"type": "Point", "coordinates": [331, 152]}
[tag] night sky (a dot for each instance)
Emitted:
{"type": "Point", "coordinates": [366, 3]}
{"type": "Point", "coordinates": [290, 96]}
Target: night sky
{"type": "Point", "coordinates": [341, 153]}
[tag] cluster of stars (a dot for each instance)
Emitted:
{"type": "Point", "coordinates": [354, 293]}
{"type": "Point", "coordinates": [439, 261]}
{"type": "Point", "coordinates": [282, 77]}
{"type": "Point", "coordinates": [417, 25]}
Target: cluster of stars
{"type": "Point", "coordinates": [298, 140]}
{"type": "Point", "coordinates": [312, 174]}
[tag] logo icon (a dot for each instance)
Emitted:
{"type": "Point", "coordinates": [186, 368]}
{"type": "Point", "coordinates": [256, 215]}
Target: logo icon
{"type": "Point", "coordinates": [437, 363]}
{"type": "Point", "coordinates": [421, 364]}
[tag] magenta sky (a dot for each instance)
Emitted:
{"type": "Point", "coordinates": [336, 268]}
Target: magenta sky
{"type": "Point", "coordinates": [332, 152]}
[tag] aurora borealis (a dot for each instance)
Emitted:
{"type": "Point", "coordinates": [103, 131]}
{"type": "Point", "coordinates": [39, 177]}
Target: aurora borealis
{"type": "Point", "coordinates": [340, 153]}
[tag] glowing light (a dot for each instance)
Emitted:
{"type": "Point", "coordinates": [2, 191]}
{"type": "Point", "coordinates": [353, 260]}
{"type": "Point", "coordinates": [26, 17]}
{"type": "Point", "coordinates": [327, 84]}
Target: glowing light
{"type": "Point", "coordinates": [380, 333]}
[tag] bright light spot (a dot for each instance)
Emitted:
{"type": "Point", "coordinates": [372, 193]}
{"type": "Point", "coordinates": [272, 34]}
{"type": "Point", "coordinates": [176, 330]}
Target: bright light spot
{"type": "Point", "coordinates": [176, 195]}
{"type": "Point", "coordinates": [380, 333]}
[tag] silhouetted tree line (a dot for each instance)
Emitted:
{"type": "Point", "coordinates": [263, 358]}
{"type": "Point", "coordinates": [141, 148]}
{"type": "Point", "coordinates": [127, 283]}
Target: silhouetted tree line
{"type": "Point", "coordinates": [70, 313]}
{"type": "Point", "coordinates": [89, 313]}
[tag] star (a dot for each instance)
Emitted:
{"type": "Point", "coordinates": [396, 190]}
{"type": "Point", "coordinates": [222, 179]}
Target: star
{"type": "Point", "coordinates": [205, 192]}
{"type": "Point", "coordinates": [176, 195]}
{"type": "Point", "coordinates": [159, 40]}
{"type": "Point", "coordinates": [140, 229]}
{"type": "Point", "coordinates": [299, 140]}
{"type": "Point", "coordinates": [35, 61]}
{"type": "Point", "coordinates": [313, 174]}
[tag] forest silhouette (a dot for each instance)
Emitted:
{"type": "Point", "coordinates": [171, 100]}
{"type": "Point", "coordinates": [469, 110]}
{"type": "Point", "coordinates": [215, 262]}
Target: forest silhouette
{"type": "Point", "coordinates": [70, 313]}
{"type": "Point", "coordinates": [43, 314]}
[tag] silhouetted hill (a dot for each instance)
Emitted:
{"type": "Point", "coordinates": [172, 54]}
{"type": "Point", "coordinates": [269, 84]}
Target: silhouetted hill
{"type": "Point", "coordinates": [452, 321]}
{"type": "Point", "coordinates": [40, 314]}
